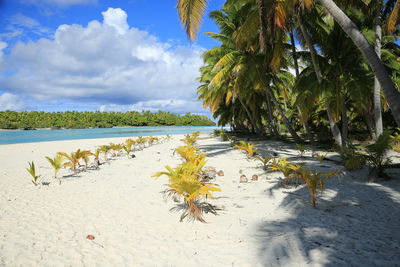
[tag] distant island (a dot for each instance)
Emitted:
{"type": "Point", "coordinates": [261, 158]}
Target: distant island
{"type": "Point", "coordinates": [29, 120]}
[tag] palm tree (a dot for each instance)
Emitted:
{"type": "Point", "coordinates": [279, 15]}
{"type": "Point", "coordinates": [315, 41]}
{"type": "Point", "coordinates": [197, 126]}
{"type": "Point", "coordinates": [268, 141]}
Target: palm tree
{"type": "Point", "coordinates": [191, 12]}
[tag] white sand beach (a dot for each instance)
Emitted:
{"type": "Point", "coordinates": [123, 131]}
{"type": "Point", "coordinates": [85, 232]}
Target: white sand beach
{"type": "Point", "coordinates": [261, 223]}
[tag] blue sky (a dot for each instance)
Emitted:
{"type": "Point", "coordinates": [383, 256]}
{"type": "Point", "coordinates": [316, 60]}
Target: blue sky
{"type": "Point", "coordinates": [60, 55]}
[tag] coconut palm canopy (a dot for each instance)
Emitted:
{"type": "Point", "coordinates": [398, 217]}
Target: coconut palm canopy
{"type": "Point", "coordinates": [301, 66]}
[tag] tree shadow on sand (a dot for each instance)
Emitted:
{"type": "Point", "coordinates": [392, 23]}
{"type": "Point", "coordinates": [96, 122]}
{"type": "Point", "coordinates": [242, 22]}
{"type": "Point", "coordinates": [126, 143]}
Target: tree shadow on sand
{"type": "Point", "coordinates": [347, 228]}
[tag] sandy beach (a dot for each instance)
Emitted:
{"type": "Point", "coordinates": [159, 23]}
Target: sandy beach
{"type": "Point", "coordinates": [260, 223]}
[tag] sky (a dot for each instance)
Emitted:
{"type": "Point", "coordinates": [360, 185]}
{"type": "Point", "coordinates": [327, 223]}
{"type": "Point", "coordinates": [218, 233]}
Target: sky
{"type": "Point", "coordinates": [87, 55]}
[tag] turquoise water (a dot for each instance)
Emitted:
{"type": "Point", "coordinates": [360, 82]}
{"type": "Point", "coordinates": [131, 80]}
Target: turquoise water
{"type": "Point", "coordinates": [15, 137]}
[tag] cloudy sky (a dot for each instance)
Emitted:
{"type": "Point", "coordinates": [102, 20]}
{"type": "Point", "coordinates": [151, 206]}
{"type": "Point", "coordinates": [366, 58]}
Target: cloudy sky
{"type": "Point", "coordinates": [58, 55]}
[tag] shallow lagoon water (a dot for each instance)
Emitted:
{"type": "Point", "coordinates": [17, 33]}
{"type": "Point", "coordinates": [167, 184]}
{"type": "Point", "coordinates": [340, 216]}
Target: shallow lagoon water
{"type": "Point", "coordinates": [15, 137]}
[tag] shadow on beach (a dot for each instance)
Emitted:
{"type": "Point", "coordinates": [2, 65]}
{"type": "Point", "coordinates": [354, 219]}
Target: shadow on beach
{"type": "Point", "coordinates": [358, 226]}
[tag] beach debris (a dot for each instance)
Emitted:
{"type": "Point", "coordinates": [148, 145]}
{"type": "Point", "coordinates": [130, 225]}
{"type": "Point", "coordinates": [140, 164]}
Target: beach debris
{"type": "Point", "coordinates": [90, 237]}
{"type": "Point", "coordinates": [208, 175]}
{"type": "Point", "coordinates": [254, 177]}
{"type": "Point", "coordinates": [133, 156]}
{"type": "Point", "coordinates": [220, 173]}
{"type": "Point", "coordinates": [243, 179]}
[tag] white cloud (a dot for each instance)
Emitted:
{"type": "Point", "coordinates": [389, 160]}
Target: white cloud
{"type": "Point", "coordinates": [21, 25]}
{"type": "Point", "coordinates": [116, 17]}
{"type": "Point", "coordinates": [24, 21]}
{"type": "Point", "coordinates": [104, 63]}
{"type": "Point", "coordinates": [11, 102]}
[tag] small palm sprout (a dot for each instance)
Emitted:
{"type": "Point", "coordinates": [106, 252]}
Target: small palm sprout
{"type": "Point", "coordinates": [96, 155]}
{"type": "Point", "coordinates": [320, 157]}
{"type": "Point", "coordinates": [85, 157]}
{"type": "Point", "coordinates": [116, 148]}
{"type": "Point", "coordinates": [56, 163]}
{"type": "Point", "coordinates": [32, 172]}
{"type": "Point", "coordinates": [314, 180]}
{"type": "Point", "coordinates": [105, 149]}
{"type": "Point", "coordinates": [73, 159]}
{"type": "Point", "coordinates": [288, 170]}
{"type": "Point", "coordinates": [127, 150]}
{"type": "Point", "coordinates": [190, 140]}
{"type": "Point", "coordinates": [248, 147]}
{"type": "Point", "coordinates": [152, 140]}
{"type": "Point", "coordinates": [302, 149]}
{"type": "Point", "coordinates": [265, 160]}
{"type": "Point", "coordinates": [141, 142]}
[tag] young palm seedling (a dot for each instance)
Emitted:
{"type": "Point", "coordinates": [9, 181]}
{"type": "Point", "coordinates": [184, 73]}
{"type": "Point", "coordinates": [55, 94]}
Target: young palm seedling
{"type": "Point", "coordinates": [56, 163]}
{"type": "Point", "coordinates": [73, 159]}
{"type": "Point", "coordinates": [190, 140]}
{"type": "Point", "coordinates": [377, 154]}
{"type": "Point", "coordinates": [85, 157]}
{"type": "Point", "coordinates": [320, 157]}
{"type": "Point", "coordinates": [288, 170]}
{"type": "Point", "coordinates": [302, 149]}
{"type": "Point", "coordinates": [192, 189]}
{"type": "Point", "coordinates": [96, 155]}
{"type": "Point", "coordinates": [314, 180]}
{"type": "Point", "coordinates": [32, 172]}
{"type": "Point", "coordinates": [265, 160]}
{"type": "Point", "coordinates": [116, 148]}
{"type": "Point", "coordinates": [141, 142]}
{"type": "Point", "coordinates": [105, 149]}
{"type": "Point", "coordinates": [248, 147]}
{"type": "Point", "coordinates": [129, 143]}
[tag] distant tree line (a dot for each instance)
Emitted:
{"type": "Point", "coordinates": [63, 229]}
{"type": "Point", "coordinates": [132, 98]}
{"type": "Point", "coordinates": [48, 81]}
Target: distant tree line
{"type": "Point", "coordinates": [73, 119]}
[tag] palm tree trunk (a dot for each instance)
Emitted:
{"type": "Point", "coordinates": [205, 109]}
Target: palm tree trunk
{"type": "Point", "coordinates": [274, 130]}
{"type": "Point", "coordinates": [312, 50]}
{"type": "Point", "coordinates": [292, 132]}
{"type": "Point", "coordinates": [334, 128]}
{"type": "Point", "coordinates": [370, 124]}
{"type": "Point", "coordinates": [263, 26]}
{"type": "Point", "coordinates": [391, 93]}
{"type": "Point", "coordinates": [294, 53]}
{"type": "Point", "coordinates": [345, 125]}
{"type": "Point", "coordinates": [377, 87]}
{"type": "Point", "coordinates": [250, 117]}
{"type": "Point", "coordinates": [296, 68]}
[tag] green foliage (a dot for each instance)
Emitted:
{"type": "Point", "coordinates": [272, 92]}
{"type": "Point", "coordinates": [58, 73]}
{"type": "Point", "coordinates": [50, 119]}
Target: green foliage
{"type": "Point", "coordinates": [32, 171]}
{"type": "Point", "coordinates": [217, 132]}
{"type": "Point", "coordinates": [190, 140]}
{"type": "Point", "coordinates": [265, 160]}
{"type": "Point", "coordinates": [288, 169]}
{"type": "Point", "coordinates": [105, 149]}
{"type": "Point", "coordinates": [320, 157]}
{"type": "Point", "coordinates": [185, 181]}
{"type": "Point", "coordinates": [224, 135]}
{"type": "Point", "coordinates": [73, 119]}
{"type": "Point", "coordinates": [314, 180]}
{"type": "Point", "coordinates": [56, 163]}
{"type": "Point", "coordinates": [302, 149]}
{"type": "Point", "coordinates": [377, 152]}
{"type": "Point", "coordinates": [248, 147]}
{"type": "Point", "coordinates": [73, 158]}
{"type": "Point", "coordinates": [354, 162]}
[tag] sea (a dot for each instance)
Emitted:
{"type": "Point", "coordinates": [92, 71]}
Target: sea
{"type": "Point", "coordinates": [29, 136]}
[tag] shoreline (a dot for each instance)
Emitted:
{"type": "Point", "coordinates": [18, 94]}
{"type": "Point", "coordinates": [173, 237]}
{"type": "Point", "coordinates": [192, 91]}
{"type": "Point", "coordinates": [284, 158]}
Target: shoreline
{"type": "Point", "coordinates": [116, 127]}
